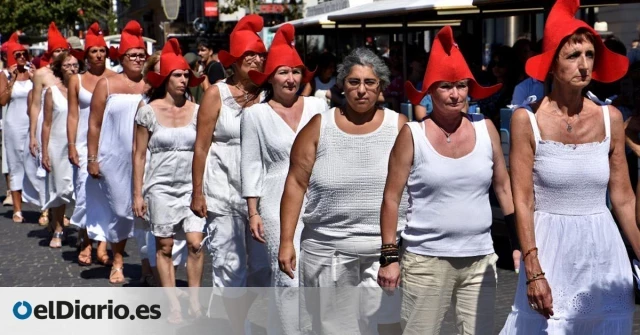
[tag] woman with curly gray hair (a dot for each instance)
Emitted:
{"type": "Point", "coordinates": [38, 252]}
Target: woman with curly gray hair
{"type": "Point", "coordinates": [340, 161]}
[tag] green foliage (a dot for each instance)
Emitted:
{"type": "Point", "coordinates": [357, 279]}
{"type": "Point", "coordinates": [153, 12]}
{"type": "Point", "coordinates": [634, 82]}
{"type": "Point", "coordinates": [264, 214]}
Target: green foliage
{"type": "Point", "coordinates": [34, 16]}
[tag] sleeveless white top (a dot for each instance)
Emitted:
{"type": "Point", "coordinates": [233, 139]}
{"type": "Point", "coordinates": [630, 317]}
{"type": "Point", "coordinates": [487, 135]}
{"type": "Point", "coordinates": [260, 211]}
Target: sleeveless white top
{"type": "Point", "coordinates": [15, 130]}
{"type": "Point", "coordinates": [449, 213]}
{"type": "Point", "coordinates": [348, 178]}
{"type": "Point", "coordinates": [84, 105]}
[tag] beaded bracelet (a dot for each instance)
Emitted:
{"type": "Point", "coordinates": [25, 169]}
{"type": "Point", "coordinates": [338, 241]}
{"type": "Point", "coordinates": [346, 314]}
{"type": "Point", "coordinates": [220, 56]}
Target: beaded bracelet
{"type": "Point", "coordinates": [390, 245]}
{"type": "Point", "coordinates": [529, 252]}
{"type": "Point", "coordinates": [92, 158]}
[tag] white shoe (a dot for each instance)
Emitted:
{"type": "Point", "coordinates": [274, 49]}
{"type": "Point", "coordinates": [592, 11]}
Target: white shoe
{"type": "Point", "coordinates": [8, 201]}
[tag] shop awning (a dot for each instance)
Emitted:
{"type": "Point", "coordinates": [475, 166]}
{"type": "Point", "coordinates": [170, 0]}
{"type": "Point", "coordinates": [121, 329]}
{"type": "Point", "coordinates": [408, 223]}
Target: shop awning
{"type": "Point", "coordinates": [379, 9]}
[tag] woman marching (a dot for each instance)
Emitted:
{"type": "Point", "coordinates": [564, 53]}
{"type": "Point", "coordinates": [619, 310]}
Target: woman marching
{"type": "Point", "coordinates": [268, 131]}
{"type": "Point", "coordinates": [59, 179]}
{"type": "Point", "coordinates": [14, 90]}
{"type": "Point", "coordinates": [237, 260]}
{"type": "Point", "coordinates": [80, 91]}
{"type": "Point", "coordinates": [566, 152]}
{"type": "Point", "coordinates": [110, 146]}
{"type": "Point", "coordinates": [339, 160]}
{"type": "Point", "coordinates": [449, 254]}
{"type": "Point", "coordinates": [166, 127]}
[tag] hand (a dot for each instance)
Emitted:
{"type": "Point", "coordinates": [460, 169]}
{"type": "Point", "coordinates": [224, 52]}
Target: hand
{"type": "Point", "coordinates": [539, 292]}
{"type": "Point", "coordinates": [94, 169]}
{"type": "Point", "coordinates": [73, 155]}
{"type": "Point", "coordinates": [516, 254]}
{"type": "Point", "coordinates": [389, 276]}
{"type": "Point", "coordinates": [199, 205]}
{"type": "Point", "coordinates": [31, 72]}
{"type": "Point", "coordinates": [46, 163]}
{"type": "Point", "coordinates": [13, 69]}
{"type": "Point", "coordinates": [287, 259]}
{"type": "Point", "coordinates": [33, 146]}
{"type": "Point", "coordinates": [139, 206]}
{"type": "Point", "coordinates": [257, 228]}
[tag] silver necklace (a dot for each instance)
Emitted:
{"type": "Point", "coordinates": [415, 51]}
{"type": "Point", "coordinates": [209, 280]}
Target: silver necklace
{"type": "Point", "coordinates": [569, 127]}
{"type": "Point", "coordinates": [446, 134]}
{"type": "Point", "coordinates": [246, 94]}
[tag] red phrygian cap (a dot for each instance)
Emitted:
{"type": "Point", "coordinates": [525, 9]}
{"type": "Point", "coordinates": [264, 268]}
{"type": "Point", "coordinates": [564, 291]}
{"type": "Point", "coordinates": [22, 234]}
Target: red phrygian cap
{"type": "Point", "coordinates": [244, 37]}
{"type": "Point", "coordinates": [171, 59]}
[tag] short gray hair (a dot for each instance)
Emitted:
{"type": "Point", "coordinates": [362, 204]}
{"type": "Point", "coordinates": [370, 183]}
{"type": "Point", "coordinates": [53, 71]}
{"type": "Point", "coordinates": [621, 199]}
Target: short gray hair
{"type": "Point", "coordinates": [364, 57]}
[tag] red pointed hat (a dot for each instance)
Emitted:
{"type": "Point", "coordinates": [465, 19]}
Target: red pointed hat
{"type": "Point", "coordinates": [281, 53]}
{"type": "Point", "coordinates": [561, 23]}
{"type": "Point", "coordinates": [55, 40]}
{"type": "Point", "coordinates": [244, 37]}
{"type": "Point", "coordinates": [13, 46]}
{"type": "Point", "coordinates": [171, 59]}
{"type": "Point", "coordinates": [93, 38]}
{"type": "Point", "coordinates": [131, 37]}
{"type": "Point", "coordinates": [446, 63]}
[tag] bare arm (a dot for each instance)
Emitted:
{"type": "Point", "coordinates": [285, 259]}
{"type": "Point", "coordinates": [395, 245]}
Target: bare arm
{"type": "Point", "coordinates": [400, 162]}
{"type": "Point", "coordinates": [307, 90]}
{"type": "Point", "coordinates": [46, 128]}
{"type": "Point", "coordinates": [206, 123]}
{"type": "Point", "coordinates": [98, 104]}
{"type": "Point", "coordinates": [632, 129]}
{"type": "Point", "coordinates": [5, 89]}
{"type": "Point", "coordinates": [621, 192]}
{"type": "Point", "coordinates": [73, 109]}
{"type": "Point", "coordinates": [139, 160]}
{"type": "Point", "coordinates": [501, 182]}
{"type": "Point", "coordinates": [303, 157]}
{"type": "Point", "coordinates": [419, 112]}
{"type": "Point", "coordinates": [36, 103]}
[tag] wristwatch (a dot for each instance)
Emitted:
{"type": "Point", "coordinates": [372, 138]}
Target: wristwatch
{"type": "Point", "coordinates": [388, 259]}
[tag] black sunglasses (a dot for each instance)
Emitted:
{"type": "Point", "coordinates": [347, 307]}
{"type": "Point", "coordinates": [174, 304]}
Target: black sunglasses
{"type": "Point", "coordinates": [20, 55]}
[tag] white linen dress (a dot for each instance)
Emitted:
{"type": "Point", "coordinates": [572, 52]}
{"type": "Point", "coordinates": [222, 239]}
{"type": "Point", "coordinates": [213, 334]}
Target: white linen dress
{"type": "Point", "coordinates": [59, 182]}
{"type": "Point", "coordinates": [580, 248]}
{"type": "Point", "coordinates": [33, 185]}
{"type": "Point", "coordinates": [108, 205]}
{"type": "Point", "coordinates": [16, 131]}
{"type": "Point", "coordinates": [266, 145]}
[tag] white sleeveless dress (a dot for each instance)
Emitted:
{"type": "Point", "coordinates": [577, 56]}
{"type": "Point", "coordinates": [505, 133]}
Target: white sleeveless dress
{"type": "Point", "coordinates": [580, 248]}
{"type": "Point", "coordinates": [266, 144]}
{"type": "Point", "coordinates": [59, 182]}
{"type": "Point", "coordinates": [80, 173]}
{"type": "Point", "coordinates": [16, 132]}
{"type": "Point", "coordinates": [33, 188]}
{"type": "Point", "coordinates": [108, 204]}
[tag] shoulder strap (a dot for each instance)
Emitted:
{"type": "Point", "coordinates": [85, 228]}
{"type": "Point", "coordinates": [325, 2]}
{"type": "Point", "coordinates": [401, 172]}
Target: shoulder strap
{"type": "Point", "coordinates": [534, 126]}
{"type": "Point", "coordinates": [607, 121]}
{"type": "Point", "coordinates": [80, 80]}
{"type": "Point", "coordinates": [108, 90]}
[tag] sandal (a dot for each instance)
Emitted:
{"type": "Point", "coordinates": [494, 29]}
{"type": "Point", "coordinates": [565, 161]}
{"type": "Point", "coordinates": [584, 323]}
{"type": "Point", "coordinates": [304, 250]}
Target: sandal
{"type": "Point", "coordinates": [113, 279]}
{"type": "Point", "coordinates": [44, 218]}
{"type": "Point", "coordinates": [17, 217]}
{"type": "Point", "coordinates": [8, 200]}
{"type": "Point", "coordinates": [66, 222]}
{"type": "Point", "coordinates": [56, 244]}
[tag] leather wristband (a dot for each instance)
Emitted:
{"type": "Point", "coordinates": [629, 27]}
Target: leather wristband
{"type": "Point", "coordinates": [510, 221]}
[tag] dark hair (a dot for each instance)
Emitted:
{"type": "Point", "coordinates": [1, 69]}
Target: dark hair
{"type": "Point", "coordinates": [207, 43]}
{"type": "Point", "coordinates": [56, 65]}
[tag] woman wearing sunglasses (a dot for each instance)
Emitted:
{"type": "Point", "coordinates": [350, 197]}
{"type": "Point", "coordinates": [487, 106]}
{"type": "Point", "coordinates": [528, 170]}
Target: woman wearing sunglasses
{"type": "Point", "coordinates": [15, 85]}
{"type": "Point", "coordinates": [110, 146]}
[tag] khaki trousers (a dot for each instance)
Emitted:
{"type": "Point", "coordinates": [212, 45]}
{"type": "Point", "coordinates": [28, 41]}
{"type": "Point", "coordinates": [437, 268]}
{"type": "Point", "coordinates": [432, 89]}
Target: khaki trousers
{"type": "Point", "coordinates": [431, 284]}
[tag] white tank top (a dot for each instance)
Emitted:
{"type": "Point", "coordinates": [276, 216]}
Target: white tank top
{"type": "Point", "coordinates": [348, 178]}
{"type": "Point", "coordinates": [84, 107]}
{"type": "Point", "coordinates": [449, 212]}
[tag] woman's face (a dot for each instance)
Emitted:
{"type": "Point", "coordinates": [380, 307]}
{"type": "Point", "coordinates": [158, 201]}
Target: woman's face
{"type": "Point", "coordinates": [177, 83]}
{"type": "Point", "coordinates": [96, 56]}
{"type": "Point", "coordinates": [133, 59]}
{"type": "Point", "coordinates": [250, 61]}
{"type": "Point", "coordinates": [286, 81]}
{"type": "Point", "coordinates": [21, 57]}
{"type": "Point", "coordinates": [361, 88]}
{"type": "Point", "coordinates": [70, 67]}
{"type": "Point", "coordinates": [574, 65]}
{"type": "Point", "coordinates": [449, 97]}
